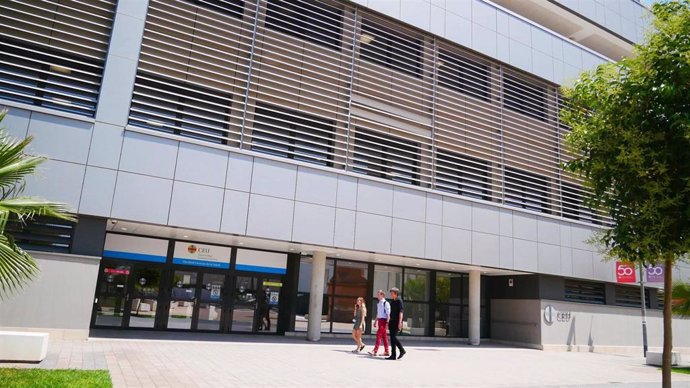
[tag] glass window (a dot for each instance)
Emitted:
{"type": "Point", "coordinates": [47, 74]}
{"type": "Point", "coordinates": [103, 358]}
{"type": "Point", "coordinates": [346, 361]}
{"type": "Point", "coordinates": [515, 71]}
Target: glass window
{"type": "Point", "coordinates": [415, 318]}
{"type": "Point", "coordinates": [449, 287]}
{"type": "Point", "coordinates": [342, 314]}
{"type": "Point", "coordinates": [350, 279]}
{"type": "Point", "coordinates": [416, 286]}
{"type": "Point", "coordinates": [463, 75]}
{"type": "Point", "coordinates": [391, 49]}
{"type": "Point", "coordinates": [307, 19]}
{"type": "Point", "coordinates": [294, 135]}
{"type": "Point", "coordinates": [524, 97]}
{"type": "Point", "coordinates": [180, 108]}
{"type": "Point", "coordinates": [461, 174]}
{"type": "Point", "coordinates": [448, 321]}
{"type": "Point", "coordinates": [526, 190]}
{"type": "Point", "coordinates": [386, 157]}
{"type": "Point", "coordinates": [232, 8]}
{"type": "Point", "coordinates": [385, 278]}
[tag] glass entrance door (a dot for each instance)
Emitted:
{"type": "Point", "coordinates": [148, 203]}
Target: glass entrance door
{"type": "Point", "coordinates": [144, 297]}
{"type": "Point", "coordinates": [111, 295]}
{"type": "Point", "coordinates": [256, 304]}
{"type": "Point", "coordinates": [196, 301]}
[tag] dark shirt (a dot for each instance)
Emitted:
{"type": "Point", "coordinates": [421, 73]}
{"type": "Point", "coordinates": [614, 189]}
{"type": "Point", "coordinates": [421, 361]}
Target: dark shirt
{"type": "Point", "coordinates": [396, 309]}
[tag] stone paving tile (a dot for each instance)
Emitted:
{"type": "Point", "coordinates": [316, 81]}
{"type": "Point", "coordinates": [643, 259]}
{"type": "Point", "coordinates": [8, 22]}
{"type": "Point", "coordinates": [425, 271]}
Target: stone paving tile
{"type": "Point", "coordinates": [294, 363]}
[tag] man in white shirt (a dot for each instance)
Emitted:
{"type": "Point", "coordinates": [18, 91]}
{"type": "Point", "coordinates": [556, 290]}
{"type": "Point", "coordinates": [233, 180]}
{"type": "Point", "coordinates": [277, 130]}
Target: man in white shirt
{"type": "Point", "coordinates": [383, 313]}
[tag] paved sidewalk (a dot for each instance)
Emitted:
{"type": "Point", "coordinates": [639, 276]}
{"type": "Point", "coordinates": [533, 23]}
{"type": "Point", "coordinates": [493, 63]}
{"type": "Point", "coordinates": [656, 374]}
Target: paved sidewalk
{"type": "Point", "coordinates": [285, 362]}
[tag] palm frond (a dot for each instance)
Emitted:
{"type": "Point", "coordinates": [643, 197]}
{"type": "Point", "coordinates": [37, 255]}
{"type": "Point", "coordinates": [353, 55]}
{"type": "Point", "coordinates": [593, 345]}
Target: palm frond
{"type": "Point", "coordinates": [680, 299]}
{"type": "Point", "coordinates": [17, 267]}
{"type": "Point", "coordinates": [29, 207]}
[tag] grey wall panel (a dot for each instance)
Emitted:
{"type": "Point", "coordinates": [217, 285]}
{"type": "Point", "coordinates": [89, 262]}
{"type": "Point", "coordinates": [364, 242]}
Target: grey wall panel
{"type": "Point", "coordinates": [116, 90]}
{"type": "Point", "coordinates": [506, 253]}
{"type": "Point", "coordinates": [235, 210]}
{"type": "Point", "coordinates": [566, 239]}
{"type": "Point", "coordinates": [409, 204]}
{"type": "Point", "coordinates": [549, 259]}
{"type": "Point", "coordinates": [524, 226]}
{"type": "Point", "coordinates": [98, 190]}
{"type": "Point", "coordinates": [16, 122]}
{"type": "Point", "coordinates": [604, 269]}
{"type": "Point", "coordinates": [457, 213]}
{"type": "Point", "coordinates": [416, 13]}
{"type": "Point", "coordinates": [375, 197]}
{"type": "Point", "coordinates": [315, 186]}
{"type": "Point", "coordinates": [57, 181]}
{"type": "Point", "coordinates": [152, 198]}
{"type": "Point", "coordinates": [239, 175]}
{"type": "Point", "coordinates": [434, 209]}
{"type": "Point", "coordinates": [126, 37]}
{"type": "Point", "coordinates": [313, 223]}
{"type": "Point", "coordinates": [344, 228]}
{"type": "Point", "coordinates": [196, 206]}
{"type": "Point", "coordinates": [485, 249]}
{"type": "Point", "coordinates": [136, 8]}
{"type": "Point", "coordinates": [433, 247]}
{"type": "Point", "coordinates": [89, 236]}
{"type": "Point", "coordinates": [548, 231]}
{"type": "Point", "coordinates": [485, 218]}
{"type": "Point", "coordinates": [583, 266]}
{"type": "Point", "coordinates": [202, 165]}
{"type": "Point", "coordinates": [149, 155]}
{"type": "Point", "coordinates": [373, 233]}
{"type": "Point", "coordinates": [408, 238]}
{"type": "Point", "coordinates": [273, 178]}
{"type": "Point", "coordinates": [506, 223]}
{"type": "Point", "coordinates": [580, 236]}
{"type": "Point", "coordinates": [60, 138]}
{"type": "Point", "coordinates": [106, 145]}
{"type": "Point", "coordinates": [270, 217]}
{"type": "Point", "coordinates": [485, 40]}
{"type": "Point", "coordinates": [516, 320]}
{"type": "Point", "coordinates": [457, 245]}
{"type": "Point", "coordinates": [347, 192]}
{"type": "Point", "coordinates": [525, 255]}
{"type": "Point", "coordinates": [566, 261]}
{"type": "Point", "coordinates": [60, 299]}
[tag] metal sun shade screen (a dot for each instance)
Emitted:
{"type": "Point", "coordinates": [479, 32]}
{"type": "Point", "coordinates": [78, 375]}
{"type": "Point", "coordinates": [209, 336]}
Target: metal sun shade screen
{"type": "Point", "coordinates": [54, 52]}
{"type": "Point", "coordinates": [324, 82]}
{"type": "Point", "coordinates": [585, 292]}
{"type": "Point", "coordinates": [42, 234]}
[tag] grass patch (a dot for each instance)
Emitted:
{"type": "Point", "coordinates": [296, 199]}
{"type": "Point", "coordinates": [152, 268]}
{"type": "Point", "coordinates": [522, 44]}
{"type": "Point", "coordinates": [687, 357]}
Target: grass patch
{"type": "Point", "coordinates": [681, 369]}
{"type": "Point", "coordinates": [49, 378]}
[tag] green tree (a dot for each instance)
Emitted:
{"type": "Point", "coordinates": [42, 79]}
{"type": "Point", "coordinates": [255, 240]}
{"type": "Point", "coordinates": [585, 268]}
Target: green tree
{"type": "Point", "coordinates": [630, 139]}
{"type": "Point", "coordinates": [17, 267]}
{"type": "Point", "coordinates": [681, 299]}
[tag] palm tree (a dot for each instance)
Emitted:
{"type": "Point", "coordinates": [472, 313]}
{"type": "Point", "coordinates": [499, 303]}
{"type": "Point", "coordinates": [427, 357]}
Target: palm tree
{"type": "Point", "coordinates": [680, 302]}
{"type": "Point", "coordinates": [17, 267]}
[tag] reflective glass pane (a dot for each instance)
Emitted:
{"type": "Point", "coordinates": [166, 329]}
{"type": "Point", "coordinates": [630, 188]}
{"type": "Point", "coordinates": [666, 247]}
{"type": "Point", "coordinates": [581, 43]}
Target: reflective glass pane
{"type": "Point", "coordinates": [145, 297]}
{"type": "Point", "coordinates": [112, 287]}
{"type": "Point", "coordinates": [343, 314]}
{"type": "Point", "coordinates": [182, 298]}
{"type": "Point", "coordinates": [245, 304]}
{"type": "Point", "coordinates": [415, 318]}
{"type": "Point", "coordinates": [350, 278]}
{"type": "Point", "coordinates": [211, 301]}
{"type": "Point", "coordinates": [416, 287]}
{"type": "Point", "coordinates": [449, 287]}
{"type": "Point", "coordinates": [386, 277]}
{"type": "Point", "coordinates": [447, 322]}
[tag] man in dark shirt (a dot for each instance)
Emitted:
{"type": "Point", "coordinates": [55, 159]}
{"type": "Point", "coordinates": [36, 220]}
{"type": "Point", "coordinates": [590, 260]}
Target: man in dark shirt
{"type": "Point", "coordinates": [395, 323]}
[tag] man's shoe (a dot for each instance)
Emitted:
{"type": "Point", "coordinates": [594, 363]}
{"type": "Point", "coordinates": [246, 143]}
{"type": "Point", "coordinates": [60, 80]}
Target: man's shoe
{"type": "Point", "coordinates": [401, 354]}
{"type": "Point", "coordinates": [390, 358]}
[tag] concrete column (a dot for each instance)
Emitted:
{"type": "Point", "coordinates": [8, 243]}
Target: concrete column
{"type": "Point", "coordinates": [318, 274]}
{"type": "Point", "coordinates": [475, 307]}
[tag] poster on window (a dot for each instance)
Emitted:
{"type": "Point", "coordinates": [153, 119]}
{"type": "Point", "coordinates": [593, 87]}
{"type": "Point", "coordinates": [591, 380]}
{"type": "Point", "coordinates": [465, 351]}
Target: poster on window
{"type": "Point", "coordinates": [202, 255]}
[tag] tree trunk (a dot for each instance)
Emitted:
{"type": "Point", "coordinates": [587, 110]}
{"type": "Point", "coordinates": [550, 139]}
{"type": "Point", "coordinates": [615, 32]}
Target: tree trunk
{"type": "Point", "coordinates": [668, 321]}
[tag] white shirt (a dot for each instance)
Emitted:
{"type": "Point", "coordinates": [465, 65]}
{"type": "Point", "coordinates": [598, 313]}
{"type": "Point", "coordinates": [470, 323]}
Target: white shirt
{"type": "Point", "coordinates": [383, 309]}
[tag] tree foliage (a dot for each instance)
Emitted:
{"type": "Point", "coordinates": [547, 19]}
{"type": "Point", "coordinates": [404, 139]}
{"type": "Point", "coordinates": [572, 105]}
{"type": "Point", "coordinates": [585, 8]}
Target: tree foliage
{"type": "Point", "coordinates": [630, 136]}
{"type": "Point", "coordinates": [681, 299]}
{"type": "Point", "coordinates": [17, 267]}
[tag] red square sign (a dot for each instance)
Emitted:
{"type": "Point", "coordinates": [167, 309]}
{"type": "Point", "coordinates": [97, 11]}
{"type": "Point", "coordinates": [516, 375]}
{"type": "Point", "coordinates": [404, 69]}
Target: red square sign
{"type": "Point", "coordinates": [625, 273]}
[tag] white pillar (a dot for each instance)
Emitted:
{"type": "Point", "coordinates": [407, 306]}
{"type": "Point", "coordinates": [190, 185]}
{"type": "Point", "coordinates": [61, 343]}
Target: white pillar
{"type": "Point", "coordinates": [318, 274]}
{"type": "Point", "coordinates": [475, 309]}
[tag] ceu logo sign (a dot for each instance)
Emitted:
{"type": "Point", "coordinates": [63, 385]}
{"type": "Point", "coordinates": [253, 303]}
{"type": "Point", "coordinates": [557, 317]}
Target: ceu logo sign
{"type": "Point", "coordinates": [191, 248]}
{"type": "Point", "coordinates": [552, 315]}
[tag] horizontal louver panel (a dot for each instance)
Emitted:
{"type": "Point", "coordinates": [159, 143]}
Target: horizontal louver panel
{"type": "Point", "coordinates": [585, 292]}
{"type": "Point", "coordinates": [329, 83]}
{"type": "Point", "coordinates": [42, 234]}
{"type": "Point", "coordinates": [54, 52]}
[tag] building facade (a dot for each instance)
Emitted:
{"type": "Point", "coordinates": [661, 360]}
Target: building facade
{"type": "Point", "coordinates": [255, 166]}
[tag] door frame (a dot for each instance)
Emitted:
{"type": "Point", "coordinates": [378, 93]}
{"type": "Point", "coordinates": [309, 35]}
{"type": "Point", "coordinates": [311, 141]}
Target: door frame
{"type": "Point", "coordinates": [261, 277]}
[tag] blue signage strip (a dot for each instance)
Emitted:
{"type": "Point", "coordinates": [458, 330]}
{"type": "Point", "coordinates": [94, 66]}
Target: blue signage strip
{"type": "Point", "coordinates": [200, 263]}
{"type": "Point", "coordinates": [134, 256]}
{"type": "Point", "coordinates": [257, 268]}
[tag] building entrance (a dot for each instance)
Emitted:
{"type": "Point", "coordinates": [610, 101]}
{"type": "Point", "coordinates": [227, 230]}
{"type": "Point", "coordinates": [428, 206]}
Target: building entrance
{"type": "Point", "coordinates": [196, 300]}
{"type": "Point", "coordinates": [127, 295]}
{"type": "Point", "coordinates": [256, 303]}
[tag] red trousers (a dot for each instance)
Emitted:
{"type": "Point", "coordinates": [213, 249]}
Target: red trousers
{"type": "Point", "coordinates": [381, 335]}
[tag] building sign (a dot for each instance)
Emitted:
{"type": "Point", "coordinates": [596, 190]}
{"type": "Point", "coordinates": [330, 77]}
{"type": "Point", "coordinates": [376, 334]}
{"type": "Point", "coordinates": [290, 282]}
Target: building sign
{"type": "Point", "coordinates": [272, 284]}
{"type": "Point", "coordinates": [625, 273]}
{"type": "Point", "coordinates": [552, 315]}
{"type": "Point", "coordinates": [201, 255]}
{"type": "Point", "coordinates": [260, 261]}
{"type": "Point", "coordinates": [116, 271]}
{"type": "Point", "coordinates": [120, 246]}
{"type": "Point", "coordinates": [655, 274]}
